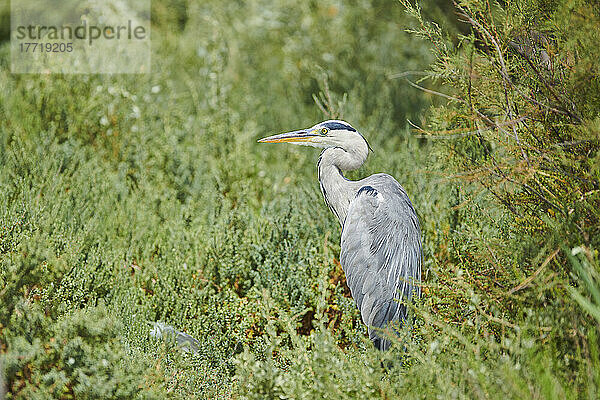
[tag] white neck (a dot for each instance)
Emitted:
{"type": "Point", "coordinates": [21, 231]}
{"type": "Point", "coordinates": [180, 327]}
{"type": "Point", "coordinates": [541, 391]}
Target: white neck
{"type": "Point", "coordinates": [337, 190]}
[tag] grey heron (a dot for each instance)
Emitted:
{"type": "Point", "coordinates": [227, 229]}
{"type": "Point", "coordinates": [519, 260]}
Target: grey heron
{"type": "Point", "coordinates": [381, 251]}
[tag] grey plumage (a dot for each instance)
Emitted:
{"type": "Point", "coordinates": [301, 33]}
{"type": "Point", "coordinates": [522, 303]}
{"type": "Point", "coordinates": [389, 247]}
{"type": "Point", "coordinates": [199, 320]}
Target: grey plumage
{"type": "Point", "coordinates": [381, 253]}
{"type": "Point", "coordinates": [187, 343]}
{"type": "Point", "coordinates": [381, 240]}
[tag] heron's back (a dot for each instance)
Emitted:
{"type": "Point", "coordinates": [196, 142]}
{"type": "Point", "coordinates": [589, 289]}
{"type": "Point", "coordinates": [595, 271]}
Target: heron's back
{"type": "Point", "coordinates": [381, 252]}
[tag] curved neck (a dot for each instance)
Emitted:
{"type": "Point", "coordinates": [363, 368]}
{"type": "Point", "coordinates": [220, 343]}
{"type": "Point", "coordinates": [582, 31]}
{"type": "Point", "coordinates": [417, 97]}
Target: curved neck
{"type": "Point", "coordinates": [337, 190]}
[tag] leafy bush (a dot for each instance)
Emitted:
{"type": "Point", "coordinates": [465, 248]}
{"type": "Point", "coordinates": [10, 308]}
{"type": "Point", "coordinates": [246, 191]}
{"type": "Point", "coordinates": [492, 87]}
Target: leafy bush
{"type": "Point", "coordinates": [127, 200]}
{"type": "Point", "coordinates": [78, 356]}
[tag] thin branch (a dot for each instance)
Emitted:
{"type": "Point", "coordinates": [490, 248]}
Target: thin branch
{"type": "Point", "coordinates": [529, 188]}
{"type": "Point", "coordinates": [549, 88]}
{"type": "Point", "coordinates": [530, 279]}
{"type": "Point", "coordinates": [503, 72]}
{"type": "Point", "coordinates": [479, 113]}
{"type": "Point", "coordinates": [417, 127]}
{"type": "Point", "coordinates": [575, 143]}
{"type": "Point", "coordinates": [407, 73]}
{"type": "Point", "coordinates": [446, 96]}
{"type": "Point", "coordinates": [428, 135]}
{"type": "Point", "coordinates": [497, 320]}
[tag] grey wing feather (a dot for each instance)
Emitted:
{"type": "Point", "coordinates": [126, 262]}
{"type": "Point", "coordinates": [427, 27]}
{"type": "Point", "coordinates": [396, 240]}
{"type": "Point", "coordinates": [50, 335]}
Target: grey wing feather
{"type": "Point", "coordinates": [381, 252]}
{"type": "Point", "coordinates": [186, 342]}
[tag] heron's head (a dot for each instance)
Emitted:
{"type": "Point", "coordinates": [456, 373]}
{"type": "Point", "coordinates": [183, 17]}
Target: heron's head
{"type": "Point", "coordinates": [332, 133]}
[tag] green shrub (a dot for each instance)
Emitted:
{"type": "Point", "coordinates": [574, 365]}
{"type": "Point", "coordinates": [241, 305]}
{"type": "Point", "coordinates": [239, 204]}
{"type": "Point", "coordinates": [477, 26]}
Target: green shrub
{"type": "Point", "coordinates": [78, 356]}
{"type": "Point", "coordinates": [126, 200]}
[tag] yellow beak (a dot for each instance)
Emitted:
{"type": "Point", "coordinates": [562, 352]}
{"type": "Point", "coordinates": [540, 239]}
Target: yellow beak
{"type": "Point", "coordinates": [290, 137]}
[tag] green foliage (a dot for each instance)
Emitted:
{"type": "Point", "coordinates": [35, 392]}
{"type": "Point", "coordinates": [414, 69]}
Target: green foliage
{"type": "Point", "coordinates": [127, 200]}
{"type": "Point", "coordinates": [77, 356]}
{"type": "Point", "coordinates": [149, 193]}
{"type": "Point", "coordinates": [518, 129]}
{"type": "Point", "coordinates": [315, 368]}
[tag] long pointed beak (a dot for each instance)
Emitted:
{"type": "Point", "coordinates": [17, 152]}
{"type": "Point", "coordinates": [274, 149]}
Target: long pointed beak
{"type": "Point", "coordinates": [289, 137]}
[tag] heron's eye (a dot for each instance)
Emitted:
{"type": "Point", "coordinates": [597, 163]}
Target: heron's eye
{"type": "Point", "coordinates": [324, 131]}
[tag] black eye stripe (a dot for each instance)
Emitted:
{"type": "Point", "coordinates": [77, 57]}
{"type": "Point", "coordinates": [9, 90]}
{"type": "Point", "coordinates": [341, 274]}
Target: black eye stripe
{"type": "Point", "coordinates": [338, 125]}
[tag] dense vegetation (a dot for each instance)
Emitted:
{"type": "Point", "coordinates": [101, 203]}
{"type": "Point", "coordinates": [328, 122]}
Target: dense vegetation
{"type": "Point", "coordinates": [126, 200]}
